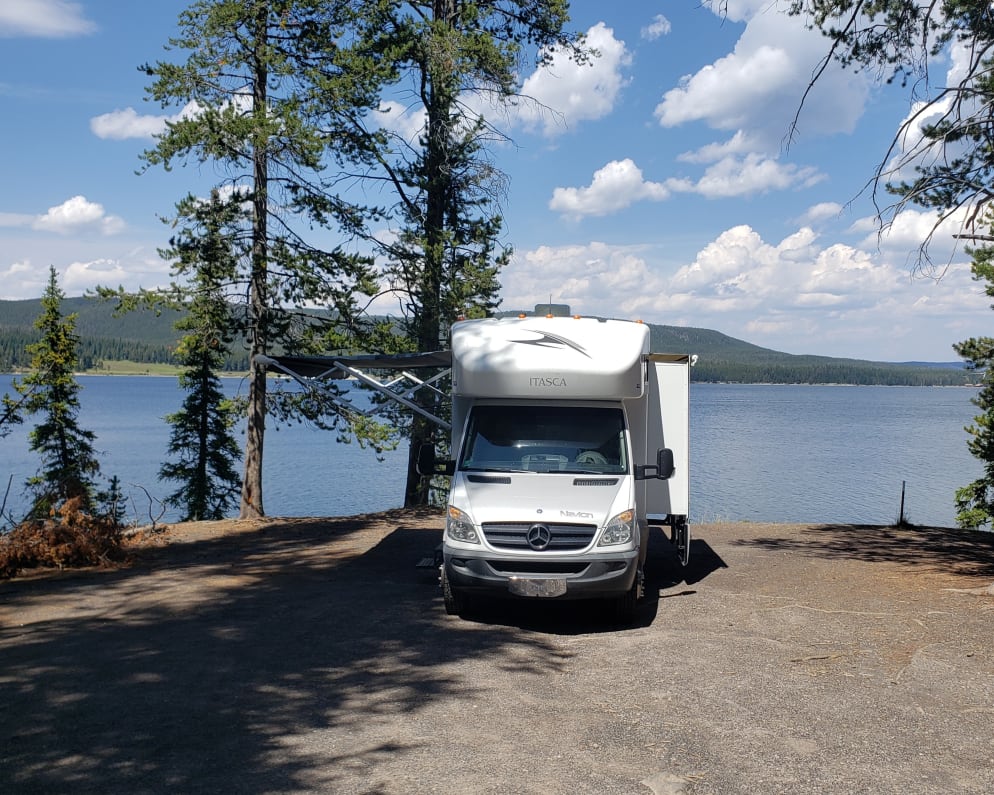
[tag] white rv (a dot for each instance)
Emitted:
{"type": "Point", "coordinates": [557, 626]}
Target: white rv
{"type": "Point", "coordinates": [569, 440]}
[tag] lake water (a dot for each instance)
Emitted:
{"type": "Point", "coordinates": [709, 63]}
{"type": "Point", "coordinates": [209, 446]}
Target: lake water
{"type": "Point", "coordinates": [759, 453]}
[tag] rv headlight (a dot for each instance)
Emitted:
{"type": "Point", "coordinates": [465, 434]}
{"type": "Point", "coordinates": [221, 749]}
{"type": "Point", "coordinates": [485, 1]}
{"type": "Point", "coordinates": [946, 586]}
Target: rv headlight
{"type": "Point", "coordinates": [459, 527]}
{"type": "Point", "coordinates": [620, 530]}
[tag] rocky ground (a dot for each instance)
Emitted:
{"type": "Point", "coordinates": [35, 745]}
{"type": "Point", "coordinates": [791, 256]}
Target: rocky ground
{"type": "Point", "coordinates": [313, 655]}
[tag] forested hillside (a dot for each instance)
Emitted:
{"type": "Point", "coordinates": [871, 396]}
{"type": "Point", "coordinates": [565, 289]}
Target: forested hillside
{"type": "Point", "coordinates": [726, 359]}
{"type": "Point", "coordinates": [140, 336]}
{"type": "Point", "coordinates": [144, 337]}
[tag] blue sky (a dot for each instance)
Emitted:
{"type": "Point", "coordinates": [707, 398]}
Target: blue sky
{"type": "Point", "coordinates": [660, 188]}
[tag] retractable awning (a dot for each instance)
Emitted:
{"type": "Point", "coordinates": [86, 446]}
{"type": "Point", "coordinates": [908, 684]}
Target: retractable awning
{"type": "Point", "coordinates": [310, 371]}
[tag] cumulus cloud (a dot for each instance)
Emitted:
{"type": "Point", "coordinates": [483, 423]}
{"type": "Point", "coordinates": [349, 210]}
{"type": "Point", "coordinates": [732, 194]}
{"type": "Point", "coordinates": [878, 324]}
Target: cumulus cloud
{"type": "Point", "coordinates": [726, 93]}
{"type": "Point", "coordinates": [659, 26]}
{"type": "Point", "coordinates": [615, 186]}
{"type": "Point", "coordinates": [565, 93]}
{"type": "Point", "coordinates": [759, 85]}
{"type": "Point", "coordinates": [823, 297]}
{"type": "Point", "coordinates": [596, 278]}
{"type": "Point", "coordinates": [77, 214]}
{"type": "Point", "coordinates": [47, 19]}
{"type": "Point", "coordinates": [745, 176]}
{"type": "Point", "coordinates": [406, 122]}
{"type": "Point", "coordinates": [140, 267]}
{"type": "Point", "coordinates": [823, 211]}
{"type": "Point", "coordinates": [119, 125]}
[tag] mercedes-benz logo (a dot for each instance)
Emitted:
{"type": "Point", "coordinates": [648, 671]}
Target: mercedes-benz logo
{"type": "Point", "coordinates": [539, 536]}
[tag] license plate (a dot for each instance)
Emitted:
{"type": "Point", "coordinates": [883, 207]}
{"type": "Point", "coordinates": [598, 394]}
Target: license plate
{"type": "Point", "coordinates": [534, 586]}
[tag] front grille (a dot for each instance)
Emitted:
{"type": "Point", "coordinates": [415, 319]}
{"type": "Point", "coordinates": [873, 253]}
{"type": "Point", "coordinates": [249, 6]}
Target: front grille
{"type": "Point", "coordinates": [513, 535]}
{"type": "Point", "coordinates": [537, 567]}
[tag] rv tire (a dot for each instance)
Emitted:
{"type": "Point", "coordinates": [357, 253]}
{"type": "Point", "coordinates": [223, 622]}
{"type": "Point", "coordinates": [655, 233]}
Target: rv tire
{"type": "Point", "coordinates": [625, 608]}
{"type": "Point", "coordinates": [456, 603]}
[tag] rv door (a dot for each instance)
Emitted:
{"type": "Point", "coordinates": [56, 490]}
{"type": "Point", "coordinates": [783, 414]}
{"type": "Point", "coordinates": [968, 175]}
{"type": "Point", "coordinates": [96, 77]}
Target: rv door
{"type": "Point", "coordinates": [669, 428]}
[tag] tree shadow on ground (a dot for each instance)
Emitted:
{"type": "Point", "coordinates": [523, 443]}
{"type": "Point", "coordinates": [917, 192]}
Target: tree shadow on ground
{"type": "Point", "coordinates": [963, 552]}
{"type": "Point", "coordinates": [206, 691]}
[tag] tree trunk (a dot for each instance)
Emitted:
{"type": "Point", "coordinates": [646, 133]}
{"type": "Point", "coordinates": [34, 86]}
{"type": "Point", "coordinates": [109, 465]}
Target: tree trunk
{"type": "Point", "coordinates": [429, 321]}
{"type": "Point", "coordinates": [251, 504]}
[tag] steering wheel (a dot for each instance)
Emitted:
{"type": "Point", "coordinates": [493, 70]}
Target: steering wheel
{"type": "Point", "coordinates": [591, 457]}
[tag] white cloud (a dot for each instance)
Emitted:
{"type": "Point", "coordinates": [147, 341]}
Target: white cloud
{"type": "Point", "coordinates": [823, 211]}
{"type": "Point", "coordinates": [749, 175]}
{"type": "Point", "coordinates": [796, 294]}
{"type": "Point", "coordinates": [15, 219]}
{"type": "Point", "coordinates": [739, 144]}
{"type": "Point", "coordinates": [659, 26]}
{"type": "Point", "coordinates": [119, 125]}
{"type": "Point", "coordinates": [406, 122]}
{"type": "Point", "coordinates": [75, 214]}
{"type": "Point", "coordinates": [566, 93]}
{"type": "Point", "coordinates": [78, 277]}
{"type": "Point", "coordinates": [595, 278]}
{"type": "Point", "coordinates": [758, 87]}
{"type": "Point", "coordinates": [726, 93]}
{"type": "Point", "coordinates": [22, 280]}
{"type": "Point", "coordinates": [49, 19]}
{"type": "Point", "coordinates": [136, 269]}
{"type": "Point", "coordinates": [614, 187]}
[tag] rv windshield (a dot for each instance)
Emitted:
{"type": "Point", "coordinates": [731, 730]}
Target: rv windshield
{"type": "Point", "coordinates": [530, 438]}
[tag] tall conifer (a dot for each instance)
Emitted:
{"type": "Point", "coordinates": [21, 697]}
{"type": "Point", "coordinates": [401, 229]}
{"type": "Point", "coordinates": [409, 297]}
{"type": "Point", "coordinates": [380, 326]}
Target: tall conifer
{"type": "Point", "coordinates": [50, 390]}
{"type": "Point", "coordinates": [202, 444]}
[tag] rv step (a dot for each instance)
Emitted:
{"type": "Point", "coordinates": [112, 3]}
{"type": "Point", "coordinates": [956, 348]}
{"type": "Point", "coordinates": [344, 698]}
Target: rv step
{"type": "Point", "coordinates": [433, 561]}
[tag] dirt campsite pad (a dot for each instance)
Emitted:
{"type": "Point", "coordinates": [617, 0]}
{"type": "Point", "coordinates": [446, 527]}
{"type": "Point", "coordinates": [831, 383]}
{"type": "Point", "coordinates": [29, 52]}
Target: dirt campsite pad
{"type": "Point", "coordinates": [314, 656]}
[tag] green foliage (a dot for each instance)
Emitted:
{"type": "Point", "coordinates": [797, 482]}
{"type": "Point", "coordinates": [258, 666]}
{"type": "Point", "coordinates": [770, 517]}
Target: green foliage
{"type": "Point", "coordinates": [277, 104]}
{"type": "Point", "coordinates": [113, 502]}
{"type": "Point", "coordinates": [446, 258]}
{"type": "Point", "coordinates": [50, 390]}
{"type": "Point", "coordinates": [975, 501]}
{"type": "Point", "coordinates": [202, 444]}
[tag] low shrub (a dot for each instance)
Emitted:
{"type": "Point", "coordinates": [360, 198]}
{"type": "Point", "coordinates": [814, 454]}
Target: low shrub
{"type": "Point", "coordinates": [69, 537]}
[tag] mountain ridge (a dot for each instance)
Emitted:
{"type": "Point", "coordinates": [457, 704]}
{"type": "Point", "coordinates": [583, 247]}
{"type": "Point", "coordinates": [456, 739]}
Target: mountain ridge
{"type": "Point", "coordinates": [147, 336]}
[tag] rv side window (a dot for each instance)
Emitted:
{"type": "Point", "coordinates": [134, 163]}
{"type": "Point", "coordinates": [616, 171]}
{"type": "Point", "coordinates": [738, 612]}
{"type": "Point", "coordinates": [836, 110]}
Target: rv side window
{"type": "Point", "coordinates": [575, 439]}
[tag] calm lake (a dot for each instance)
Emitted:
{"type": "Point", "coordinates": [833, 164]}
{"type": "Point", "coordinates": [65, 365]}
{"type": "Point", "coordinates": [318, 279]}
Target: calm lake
{"type": "Point", "coordinates": [759, 453]}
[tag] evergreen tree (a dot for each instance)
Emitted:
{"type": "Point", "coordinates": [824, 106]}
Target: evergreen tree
{"type": "Point", "coordinates": [975, 501]}
{"type": "Point", "coordinates": [201, 441]}
{"type": "Point", "coordinates": [69, 462]}
{"type": "Point", "coordinates": [272, 100]}
{"type": "Point", "coordinates": [447, 256]}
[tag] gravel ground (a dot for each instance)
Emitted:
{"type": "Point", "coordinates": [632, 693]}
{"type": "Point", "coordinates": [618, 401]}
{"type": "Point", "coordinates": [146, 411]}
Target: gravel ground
{"type": "Point", "coordinates": [314, 656]}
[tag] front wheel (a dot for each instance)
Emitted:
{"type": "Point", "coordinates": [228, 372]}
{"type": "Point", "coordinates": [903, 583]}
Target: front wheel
{"type": "Point", "coordinates": [456, 603]}
{"type": "Point", "coordinates": [625, 608]}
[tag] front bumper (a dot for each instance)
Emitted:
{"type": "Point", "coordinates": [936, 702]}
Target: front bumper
{"type": "Point", "coordinates": [598, 575]}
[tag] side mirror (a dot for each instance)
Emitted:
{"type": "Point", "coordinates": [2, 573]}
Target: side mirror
{"type": "Point", "coordinates": [665, 465]}
{"type": "Point", "coordinates": [663, 469]}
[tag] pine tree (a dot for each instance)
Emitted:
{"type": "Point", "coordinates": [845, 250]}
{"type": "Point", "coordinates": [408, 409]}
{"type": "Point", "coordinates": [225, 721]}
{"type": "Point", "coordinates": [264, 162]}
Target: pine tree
{"type": "Point", "coordinates": [202, 440]}
{"type": "Point", "coordinates": [69, 462]}
{"type": "Point", "coordinates": [272, 100]}
{"type": "Point", "coordinates": [975, 501]}
{"type": "Point", "coordinates": [447, 257]}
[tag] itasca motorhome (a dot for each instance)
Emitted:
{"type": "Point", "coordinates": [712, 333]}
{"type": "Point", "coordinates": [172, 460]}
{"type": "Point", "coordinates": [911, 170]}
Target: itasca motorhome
{"type": "Point", "coordinates": [569, 440]}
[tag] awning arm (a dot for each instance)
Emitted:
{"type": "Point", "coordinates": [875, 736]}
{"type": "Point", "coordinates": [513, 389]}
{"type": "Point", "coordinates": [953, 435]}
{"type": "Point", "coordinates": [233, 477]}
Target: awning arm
{"type": "Point", "coordinates": [338, 369]}
{"type": "Point", "coordinates": [401, 398]}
